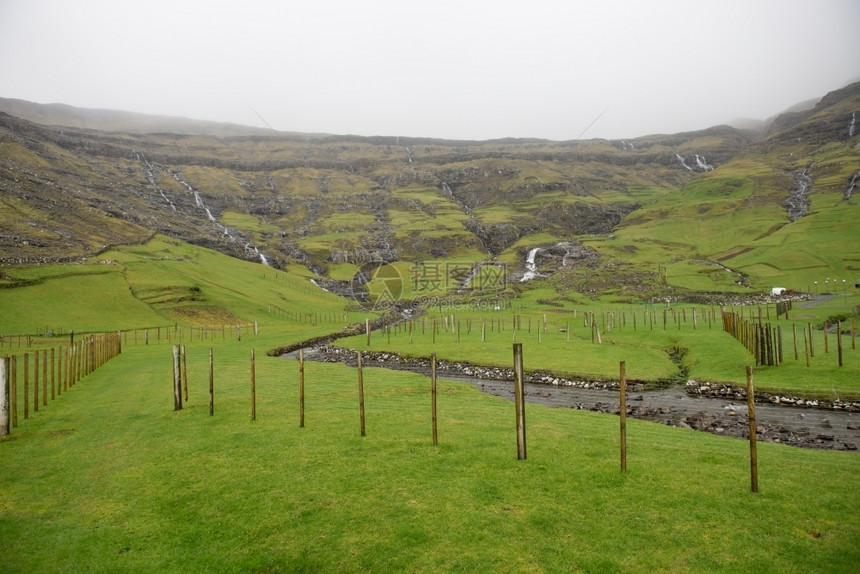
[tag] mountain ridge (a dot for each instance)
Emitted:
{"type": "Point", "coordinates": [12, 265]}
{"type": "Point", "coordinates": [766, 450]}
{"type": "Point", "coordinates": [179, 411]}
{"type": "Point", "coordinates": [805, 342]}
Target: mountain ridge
{"type": "Point", "coordinates": [107, 119]}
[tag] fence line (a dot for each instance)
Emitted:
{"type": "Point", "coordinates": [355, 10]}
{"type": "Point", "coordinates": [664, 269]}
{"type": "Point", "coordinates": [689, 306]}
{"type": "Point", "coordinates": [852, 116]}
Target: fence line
{"type": "Point", "coordinates": [62, 368]}
{"type": "Point", "coordinates": [519, 403]}
{"type": "Point", "coordinates": [138, 336]}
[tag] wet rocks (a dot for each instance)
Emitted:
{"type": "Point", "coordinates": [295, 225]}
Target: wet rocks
{"type": "Point", "coordinates": [725, 390]}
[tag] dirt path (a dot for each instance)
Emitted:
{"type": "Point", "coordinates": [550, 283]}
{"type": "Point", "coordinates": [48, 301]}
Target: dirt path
{"type": "Point", "coordinates": [806, 427]}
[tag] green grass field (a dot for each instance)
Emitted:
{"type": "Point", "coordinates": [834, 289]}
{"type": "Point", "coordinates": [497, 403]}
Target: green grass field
{"type": "Point", "coordinates": [108, 477]}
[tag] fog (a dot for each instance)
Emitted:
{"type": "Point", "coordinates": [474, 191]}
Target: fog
{"type": "Point", "coordinates": [556, 69]}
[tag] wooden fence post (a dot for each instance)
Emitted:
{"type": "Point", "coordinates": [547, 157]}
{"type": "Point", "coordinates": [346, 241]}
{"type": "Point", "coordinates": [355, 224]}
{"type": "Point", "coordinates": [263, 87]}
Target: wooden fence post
{"type": "Point", "coordinates": [360, 392]}
{"type": "Point", "coordinates": [60, 371]}
{"type": "Point", "coordinates": [794, 334]}
{"type": "Point", "coordinates": [622, 410]}
{"type": "Point", "coordinates": [26, 386]}
{"type": "Point", "coordinates": [839, 340]}
{"type": "Point", "coordinates": [753, 450]}
{"type": "Point", "coordinates": [177, 380]}
{"type": "Point", "coordinates": [301, 389]}
{"type": "Point", "coordinates": [45, 378]}
{"type": "Point", "coordinates": [433, 396]}
{"type": "Point", "coordinates": [13, 386]}
{"type": "Point", "coordinates": [5, 402]}
{"type": "Point", "coordinates": [211, 385]}
{"type": "Point", "coordinates": [184, 373]}
{"type": "Point", "coordinates": [852, 333]}
{"type": "Point", "coordinates": [53, 395]}
{"type": "Point", "coordinates": [519, 395]}
{"type": "Point", "coordinates": [253, 387]}
{"type": "Point", "coordinates": [36, 382]}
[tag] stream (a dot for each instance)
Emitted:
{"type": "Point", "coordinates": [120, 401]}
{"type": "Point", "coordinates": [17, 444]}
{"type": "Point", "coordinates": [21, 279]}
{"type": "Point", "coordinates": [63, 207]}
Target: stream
{"type": "Point", "coordinates": [801, 426]}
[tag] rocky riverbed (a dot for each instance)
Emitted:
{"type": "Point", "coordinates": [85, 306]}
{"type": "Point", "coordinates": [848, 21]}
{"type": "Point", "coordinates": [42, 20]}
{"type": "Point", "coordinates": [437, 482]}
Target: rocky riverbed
{"type": "Point", "coordinates": [719, 409]}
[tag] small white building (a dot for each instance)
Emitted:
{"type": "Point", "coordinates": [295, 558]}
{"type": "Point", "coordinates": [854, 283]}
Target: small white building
{"type": "Point", "coordinates": [778, 291]}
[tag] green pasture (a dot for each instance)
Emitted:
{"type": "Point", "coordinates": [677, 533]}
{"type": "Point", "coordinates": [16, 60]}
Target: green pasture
{"type": "Point", "coordinates": [247, 222]}
{"type": "Point", "coordinates": [472, 331]}
{"type": "Point", "coordinates": [740, 223]}
{"type": "Point", "coordinates": [160, 283]}
{"type": "Point", "coordinates": [66, 298]}
{"type": "Point", "coordinates": [814, 248]}
{"type": "Point", "coordinates": [166, 283]}
{"type": "Point", "coordinates": [108, 477]}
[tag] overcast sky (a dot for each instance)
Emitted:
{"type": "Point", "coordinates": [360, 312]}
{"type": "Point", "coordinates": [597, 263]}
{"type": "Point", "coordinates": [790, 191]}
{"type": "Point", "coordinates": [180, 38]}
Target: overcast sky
{"type": "Point", "coordinates": [464, 69]}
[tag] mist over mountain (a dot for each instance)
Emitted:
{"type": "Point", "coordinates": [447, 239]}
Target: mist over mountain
{"type": "Point", "coordinates": [58, 114]}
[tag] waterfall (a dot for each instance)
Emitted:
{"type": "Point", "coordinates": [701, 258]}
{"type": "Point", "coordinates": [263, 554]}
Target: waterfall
{"type": "Point", "coordinates": [851, 127]}
{"type": "Point", "coordinates": [531, 267]}
{"type": "Point", "coordinates": [262, 257]}
{"type": "Point", "coordinates": [474, 273]}
{"type": "Point", "coordinates": [166, 199]}
{"type": "Point", "coordinates": [797, 203]}
{"type": "Point", "coordinates": [567, 252]}
{"type": "Point", "coordinates": [150, 175]}
{"type": "Point", "coordinates": [680, 159]}
{"type": "Point", "coordinates": [198, 201]}
{"type": "Point", "coordinates": [700, 161]}
{"type": "Point", "coordinates": [225, 231]}
{"type": "Point", "coordinates": [450, 193]}
{"type": "Point", "coordinates": [259, 253]}
{"type": "Point", "coordinates": [851, 186]}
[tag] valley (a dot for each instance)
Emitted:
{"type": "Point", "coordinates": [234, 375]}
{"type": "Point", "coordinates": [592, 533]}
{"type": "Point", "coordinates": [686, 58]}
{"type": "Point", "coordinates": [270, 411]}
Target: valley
{"type": "Point", "coordinates": [668, 209]}
{"type": "Point", "coordinates": [243, 246]}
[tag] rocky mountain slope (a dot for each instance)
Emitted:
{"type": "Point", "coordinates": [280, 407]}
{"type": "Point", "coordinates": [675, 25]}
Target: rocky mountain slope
{"type": "Point", "coordinates": [326, 201]}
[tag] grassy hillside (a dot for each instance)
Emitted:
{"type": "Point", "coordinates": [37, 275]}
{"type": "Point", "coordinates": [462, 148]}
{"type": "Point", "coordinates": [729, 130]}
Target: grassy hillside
{"type": "Point", "coordinates": [703, 211]}
{"type": "Point", "coordinates": [161, 282]}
